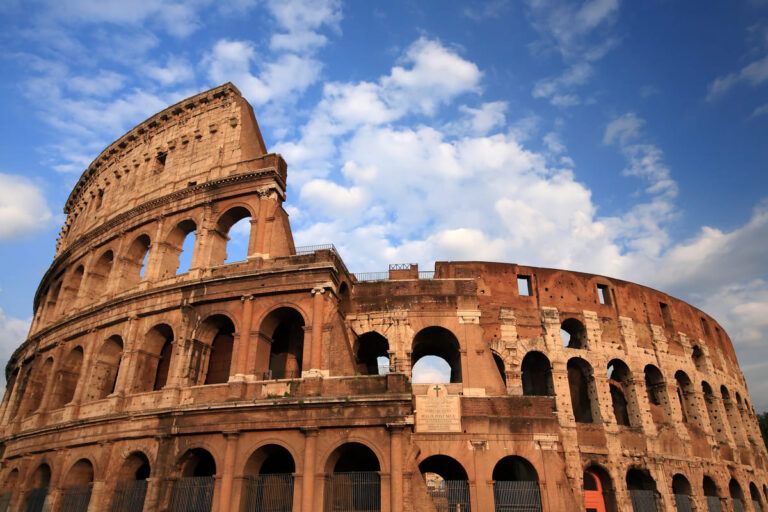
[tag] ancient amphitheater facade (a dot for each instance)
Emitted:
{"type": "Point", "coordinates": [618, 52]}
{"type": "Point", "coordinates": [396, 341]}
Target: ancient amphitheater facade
{"type": "Point", "coordinates": [282, 382]}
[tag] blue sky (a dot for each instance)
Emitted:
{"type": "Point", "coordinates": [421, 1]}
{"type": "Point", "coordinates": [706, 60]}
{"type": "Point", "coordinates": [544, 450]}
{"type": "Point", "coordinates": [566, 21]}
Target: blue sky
{"type": "Point", "coordinates": [623, 138]}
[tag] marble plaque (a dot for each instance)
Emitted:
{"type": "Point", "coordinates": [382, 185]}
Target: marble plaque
{"type": "Point", "coordinates": [437, 411]}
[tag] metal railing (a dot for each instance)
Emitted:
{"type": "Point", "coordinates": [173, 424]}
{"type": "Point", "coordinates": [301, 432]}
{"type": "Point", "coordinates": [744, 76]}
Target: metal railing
{"type": "Point", "coordinates": [450, 496]}
{"type": "Point", "coordinates": [643, 501]}
{"type": "Point", "coordinates": [275, 375]}
{"type": "Point", "coordinates": [36, 499]}
{"type": "Point", "coordinates": [738, 505]}
{"type": "Point", "coordinates": [358, 491]}
{"type": "Point", "coordinates": [367, 277]}
{"type": "Point", "coordinates": [755, 505]}
{"type": "Point", "coordinates": [516, 496]}
{"type": "Point", "coordinates": [269, 493]}
{"type": "Point", "coordinates": [76, 499]}
{"type": "Point", "coordinates": [5, 502]}
{"type": "Point", "coordinates": [192, 494]}
{"type": "Point", "coordinates": [713, 504]}
{"type": "Point", "coordinates": [129, 496]}
{"type": "Point", "coordinates": [309, 249]}
{"type": "Point", "coordinates": [683, 503]}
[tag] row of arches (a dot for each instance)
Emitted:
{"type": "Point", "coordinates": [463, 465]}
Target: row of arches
{"type": "Point", "coordinates": [122, 266]}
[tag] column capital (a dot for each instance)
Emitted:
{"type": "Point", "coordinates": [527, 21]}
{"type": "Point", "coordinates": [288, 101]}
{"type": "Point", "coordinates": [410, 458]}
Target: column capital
{"type": "Point", "coordinates": [231, 434]}
{"type": "Point", "coordinates": [309, 431]}
{"type": "Point", "coordinates": [318, 290]}
{"type": "Point", "coordinates": [246, 297]}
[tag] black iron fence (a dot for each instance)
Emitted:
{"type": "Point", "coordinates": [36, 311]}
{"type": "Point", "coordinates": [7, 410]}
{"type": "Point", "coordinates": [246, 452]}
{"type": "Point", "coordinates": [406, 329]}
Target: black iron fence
{"type": "Point", "coordinates": [192, 494]}
{"type": "Point", "coordinates": [755, 505]}
{"type": "Point", "coordinates": [129, 496]}
{"type": "Point", "coordinates": [713, 504]}
{"type": "Point", "coordinates": [738, 505]}
{"type": "Point", "coordinates": [450, 496]}
{"type": "Point", "coordinates": [683, 503]}
{"type": "Point", "coordinates": [76, 499]}
{"type": "Point", "coordinates": [309, 249]}
{"type": "Point", "coordinates": [269, 493]}
{"type": "Point", "coordinates": [35, 500]}
{"type": "Point", "coordinates": [358, 491]}
{"type": "Point", "coordinates": [643, 501]}
{"type": "Point", "coordinates": [514, 496]}
{"type": "Point", "coordinates": [279, 374]}
{"type": "Point", "coordinates": [5, 502]}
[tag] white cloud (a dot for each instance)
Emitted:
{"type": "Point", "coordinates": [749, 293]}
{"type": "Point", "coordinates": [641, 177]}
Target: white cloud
{"type": "Point", "coordinates": [488, 117]}
{"type": "Point", "coordinates": [176, 70]}
{"type": "Point", "coordinates": [557, 90]}
{"type": "Point", "coordinates": [104, 83]}
{"type": "Point", "coordinates": [570, 24]}
{"type": "Point", "coordinates": [23, 207]}
{"type": "Point", "coordinates": [333, 198]}
{"type": "Point", "coordinates": [13, 331]}
{"type": "Point", "coordinates": [301, 20]}
{"type": "Point", "coordinates": [762, 110]}
{"type": "Point", "coordinates": [755, 73]}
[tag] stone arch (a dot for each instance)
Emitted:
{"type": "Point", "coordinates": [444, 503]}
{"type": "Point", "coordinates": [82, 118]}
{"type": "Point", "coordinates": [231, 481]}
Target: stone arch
{"type": "Point", "coordinates": [217, 334]}
{"type": "Point", "coordinates": [581, 383]}
{"type": "Point", "coordinates": [154, 360]}
{"type": "Point", "coordinates": [447, 482]}
{"type": "Point", "coordinates": [222, 250]}
{"type": "Point", "coordinates": [174, 261]}
{"type": "Point", "coordinates": [99, 275]}
{"type": "Point", "coordinates": [573, 334]}
{"type": "Point", "coordinates": [599, 491]}
{"type": "Point", "coordinates": [51, 306]}
{"type": "Point", "coordinates": [282, 330]}
{"type": "Point", "coordinates": [135, 261]}
{"type": "Point", "coordinates": [441, 343]}
{"type": "Point", "coordinates": [737, 495]}
{"type": "Point", "coordinates": [268, 482]}
{"type": "Point", "coordinates": [757, 500]}
{"type": "Point", "coordinates": [516, 484]}
{"type": "Point", "coordinates": [536, 373]}
{"type": "Point", "coordinates": [67, 378]}
{"type": "Point", "coordinates": [194, 489]}
{"type": "Point", "coordinates": [682, 492]}
{"type": "Point", "coordinates": [106, 365]}
{"type": "Point", "coordinates": [372, 353]}
{"type": "Point", "coordinates": [713, 412]}
{"type": "Point", "coordinates": [687, 398]}
{"type": "Point", "coordinates": [353, 478]}
{"type": "Point", "coordinates": [498, 361]}
{"type": "Point", "coordinates": [732, 414]}
{"type": "Point", "coordinates": [698, 358]}
{"type": "Point", "coordinates": [77, 486]}
{"type": "Point", "coordinates": [9, 486]}
{"type": "Point", "coordinates": [658, 399]}
{"type": "Point", "coordinates": [37, 488]}
{"type": "Point", "coordinates": [71, 286]}
{"type": "Point", "coordinates": [711, 493]}
{"type": "Point", "coordinates": [131, 486]}
{"type": "Point", "coordinates": [626, 408]}
{"type": "Point", "coordinates": [35, 388]}
{"type": "Point", "coordinates": [642, 489]}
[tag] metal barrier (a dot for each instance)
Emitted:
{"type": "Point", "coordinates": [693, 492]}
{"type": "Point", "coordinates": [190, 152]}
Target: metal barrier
{"type": "Point", "coordinates": [269, 493]}
{"type": "Point", "coordinates": [713, 504]}
{"type": "Point", "coordinates": [5, 502]}
{"type": "Point", "coordinates": [371, 276]}
{"type": "Point", "coordinates": [76, 499]}
{"type": "Point", "coordinates": [514, 496]}
{"type": "Point", "coordinates": [358, 491]}
{"type": "Point", "coordinates": [755, 505]}
{"type": "Point", "coordinates": [643, 501]}
{"type": "Point", "coordinates": [129, 496]}
{"type": "Point", "coordinates": [309, 249]}
{"type": "Point", "coordinates": [738, 506]}
{"type": "Point", "coordinates": [36, 499]}
{"type": "Point", "coordinates": [450, 496]}
{"type": "Point", "coordinates": [192, 494]}
{"type": "Point", "coordinates": [683, 503]}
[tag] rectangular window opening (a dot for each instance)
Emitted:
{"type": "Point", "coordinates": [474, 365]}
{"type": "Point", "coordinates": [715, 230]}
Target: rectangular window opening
{"type": "Point", "coordinates": [665, 315]}
{"type": "Point", "coordinates": [705, 326]}
{"type": "Point", "coordinates": [603, 294]}
{"type": "Point", "coordinates": [524, 286]}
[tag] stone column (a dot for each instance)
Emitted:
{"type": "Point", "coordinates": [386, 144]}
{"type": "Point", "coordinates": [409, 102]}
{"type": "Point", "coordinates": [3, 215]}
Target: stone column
{"type": "Point", "coordinates": [396, 465]}
{"type": "Point", "coordinates": [127, 370]}
{"type": "Point", "coordinates": [316, 353]}
{"type": "Point", "coordinates": [308, 481]}
{"type": "Point", "coordinates": [155, 482]}
{"type": "Point", "coordinates": [228, 472]}
{"type": "Point", "coordinates": [242, 349]}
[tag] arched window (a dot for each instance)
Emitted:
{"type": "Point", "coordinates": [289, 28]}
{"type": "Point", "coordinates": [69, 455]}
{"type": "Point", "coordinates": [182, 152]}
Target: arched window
{"type": "Point", "coordinates": [715, 420]}
{"type": "Point", "coordinates": [218, 333]}
{"type": "Point", "coordinates": [583, 393]}
{"type": "Point", "coordinates": [681, 489]}
{"type": "Point", "coordinates": [656, 388]}
{"type": "Point", "coordinates": [131, 487]}
{"type": "Point", "coordinates": [573, 334]}
{"type": "Point", "coordinates": [68, 376]}
{"type": "Point", "coordinates": [135, 262]}
{"type": "Point", "coordinates": [447, 482]}
{"type": "Point", "coordinates": [194, 490]}
{"type": "Point", "coordinates": [268, 482]}
{"type": "Point", "coordinates": [687, 399]}
{"type": "Point", "coordinates": [352, 481]}
{"type": "Point", "coordinates": [499, 362]}
{"type": "Point", "coordinates": [232, 237]}
{"type": "Point", "coordinates": [537, 375]}
{"type": "Point", "coordinates": [599, 493]}
{"type": "Point", "coordinates": [38, 488]}
{"type": "Point", "coordinates": [154, 359]}
{"type": "Point", "coordinates": [283, 332]}
{"type": "Point", "coordinates": [372, 354]}
{"type": "Point", "coordinates": [757, 501]}
{"type": "Point", "coordinates": [698, 359]}
{"type": "Point", "coordinates": [623, 396]}
{"type": "Point", "coordinates": [105, 368]}
{"type": "Point", "coordinates": [38, 380]}
{"type": "Point", "coordinates": [733, 416]}
{"type": "Point", "coordinates": [743, 417]}
{"type": "Point", "coordinates": [78, 483]}
{"type": "Point", "coordinates": [100, 275]}
{"type": "Point", "coordinates": [10, 484]}
{"type": "Point", "coordinates": [642, 490]}
{"type": "Point", "coordinates": [51, 307]}
{"type": "Point", "coordinates": [737, 495]}
{"type": "Point", "coordinates": [441, 344]}
{"type": "Point", "coordinates": [515, 485]}
{"type": "Point", "coordinates": [178, 248]}
{"type": "Point", "coordinates": [72, 287]}
{"type": "Point", "coordinates": [711, 493]}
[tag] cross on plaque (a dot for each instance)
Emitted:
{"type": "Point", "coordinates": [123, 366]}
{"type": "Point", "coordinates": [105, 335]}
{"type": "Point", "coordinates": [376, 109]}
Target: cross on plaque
{"type": "Point", "coordinates": [437, 389]}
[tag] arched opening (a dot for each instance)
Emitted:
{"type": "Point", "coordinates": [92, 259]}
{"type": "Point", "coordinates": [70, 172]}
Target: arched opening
{"type": "Point", "coordinates": [537, 375]}
{"type": "Point", "coordinates": [711, 494]}
{"type": "Point", "coordinates": [656, 388]}
{"type": "Point", "coordinates": [440, 343]}
{"type": "Point", "coordinates": [76, 493]}
{"type": "Point", "coordinates": [743, 417]}
{"type": "Point", "coordinates": [283, 331]}
{"type": "Point", "coordinates": [178, 249]}
{"type": "Point", "coordinates": [757, 501]}
{"type": "Point", "coordinates": [623, 396]}
{"type": "Point", "coordinates": [131, 487]}
{"type": "Point", "coordinates": [135, 262]}
{"type": "Point", "coordinates": [515, 485]}
{"type": "Point", "coordinates": [372, 354]}
{"type": "Point", "coordinates": [38, 489]}
{"type": "Point", "coordinates": [681, 490]}
{"type": "Point", "coordinates": [154, 361]}
{"type": "Point", "coordinates": [193, 491]}
{"type": "Point", "coordinates": [345, 301]}
{"type": "Point", "coordinates": [68, 375]}
{"type": "Point", "coordinates": [217, 335]}
{"type": "Point", "coordinates": [268, 482]}
{"type": "Point", "coordinates": [737, 495]}
{"type": "Point", "coordinates": [642, 490]}
{"type": "Point", "coordinates": [232, 236]}
{"type": "Point", "coordinates": [581, 383]}
{"type": "Point", "coordinates": [353, 483]}
{"type": "Point", "coordinates": [573, 334]}
{"type": "Point", "coordinates": [715, 421]}
{"type": "Point", "coordinates": [72, 287]}
{"type": "Point", "coordinates": [10, 484]}
{"type": "Point", "coordinates": [687, 398]}
{"type": "Point", "coordinates": [51, 309]}
{"type": "Point", "coordinates": [698, 359]}
{"type": "Point", "coordinates": [35, 388]}
{"type": "Point", "coordinates": [599, 494]}
{"type": "Point", "coordinates": [499, 362]}
{"type": "Point", "coordinates": [105, 368]}
{"type": "Point", "coordinates": [447, 482]}
{"type": "Point", "coordinates": [733, 416]}
{"type": "Point", "coordinates": [99, 275]}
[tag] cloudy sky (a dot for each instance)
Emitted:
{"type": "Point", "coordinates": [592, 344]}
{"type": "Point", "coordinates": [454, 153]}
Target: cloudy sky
{"type": "Point", "coordinates": [622, 138]}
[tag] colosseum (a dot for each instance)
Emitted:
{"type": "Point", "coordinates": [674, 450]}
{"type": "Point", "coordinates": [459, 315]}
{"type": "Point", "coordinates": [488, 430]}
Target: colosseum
{"type": "Point", "coordinates": [282, 382]}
